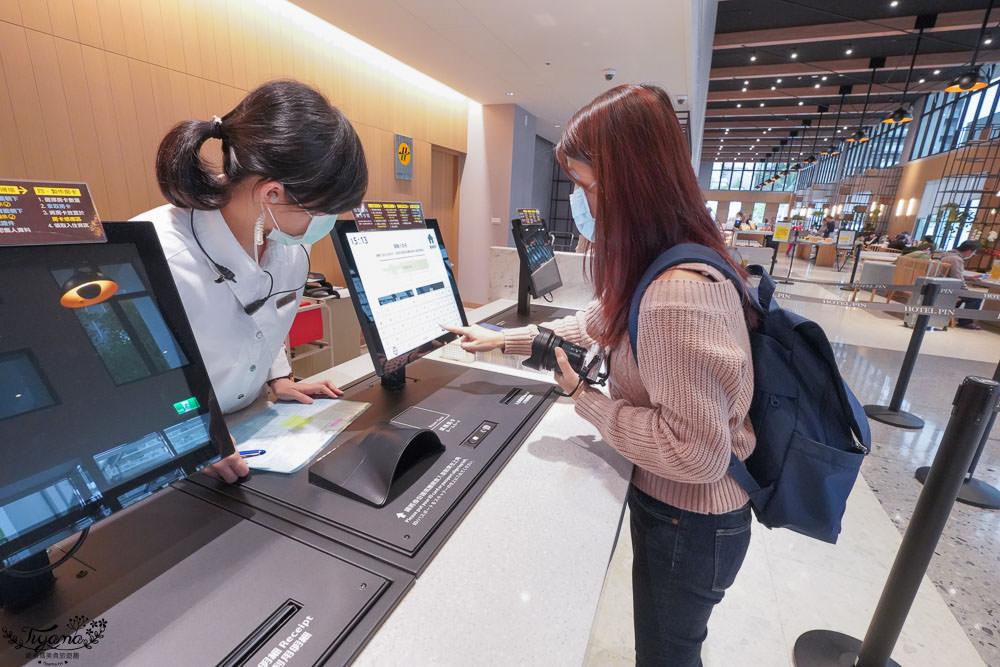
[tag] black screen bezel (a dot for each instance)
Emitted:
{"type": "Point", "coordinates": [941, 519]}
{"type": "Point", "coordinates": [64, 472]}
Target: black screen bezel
{"type": "Point", "coordinates": [142, 236]}
{"type": "Point", "coordinates": [519, 227]}
{"type": "Point", "coordinates": [383, 364]}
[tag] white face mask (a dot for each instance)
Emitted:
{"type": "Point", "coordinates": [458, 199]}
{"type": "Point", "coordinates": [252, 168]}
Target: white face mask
{"type": "Point", "coordinates": [319, 226]}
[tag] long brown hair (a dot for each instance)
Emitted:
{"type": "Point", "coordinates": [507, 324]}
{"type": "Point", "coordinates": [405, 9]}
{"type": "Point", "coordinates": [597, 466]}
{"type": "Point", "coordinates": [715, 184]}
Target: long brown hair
{"type": "Point", "coordinates": [648, 198]}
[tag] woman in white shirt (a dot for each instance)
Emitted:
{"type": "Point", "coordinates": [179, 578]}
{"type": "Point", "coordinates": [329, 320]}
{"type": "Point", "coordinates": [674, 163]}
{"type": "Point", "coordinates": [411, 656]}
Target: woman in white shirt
{"type": "Point", "coordinates": [237, 242]}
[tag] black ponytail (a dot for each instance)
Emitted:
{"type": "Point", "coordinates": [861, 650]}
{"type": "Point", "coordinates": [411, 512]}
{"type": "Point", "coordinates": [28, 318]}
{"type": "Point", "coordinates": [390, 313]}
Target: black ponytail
{"type": "Point", "coordinates": [185, 179]}
{"type": "Point", "coordinates": [283, 131]}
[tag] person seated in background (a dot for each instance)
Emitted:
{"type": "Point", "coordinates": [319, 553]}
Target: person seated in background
{"type": "Point", "coordinates": [927, 244]}
{"type": "Point", "coordinates": [955, 261]}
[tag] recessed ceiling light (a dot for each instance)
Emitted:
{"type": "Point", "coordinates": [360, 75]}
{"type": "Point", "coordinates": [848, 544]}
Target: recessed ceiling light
{"type": "Point", "coordinates": [744, 89]}
{"type": "Point", "coordinates": [801, 102]}
{"type": "Point", "coordinates": [894, 3]}
{"type": "Point", "coordinates": [768, 129]}
{"type": "Point", "coordinates": [815, 85]}
{"type": "Point", "coordinates": [922, 80]}
{"type": "Point", "coordinates": [746, 83]}
{"type": "Point", "coordinates": [845, 127]}
{"type": "Point", "coordinates": [937, 71]}
{"type": "Point", "coordinates": [753, 57]}
{"type": "Point", "coordinates": [988, 40]}
{"type": "Point", "coordinates": [762, 104]}
{"type": "Point", "coordinates": [793, 55]}
{"type": "Point", "coordinates": [774, 87]}
{"type": "Point", "coordinates": [510, 93]}
{"type": "Point", "coordinates": [758, 138]}
{"type": "Point", "coordinates": [738, 105]}
{"type": "Point", "coordinates": [777, 80]}
{"type": "Point", "coordinates": [849, 50]}
{"type": "Point", "coordinates": [823, 79]}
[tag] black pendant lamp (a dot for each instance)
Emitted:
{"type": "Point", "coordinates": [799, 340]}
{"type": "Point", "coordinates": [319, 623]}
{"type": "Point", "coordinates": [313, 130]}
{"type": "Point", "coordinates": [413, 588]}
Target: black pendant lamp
{"type": "Point", "coordinates": [802, 142]}
{"type": "Point", "coordinates": [87, 287]}
{"type": "Point", "coordinates": [903, 114]}
{"type": "Point", "coordinates": [859, 135]}
{"type": "Point", "coordinates": [778, 174]}
{"type": "Point", "coordinates": [834, 146]}
{"type": "Point", "coordinates": [971, 78]}
{"type": "Point", "coordinates": [812, 153]}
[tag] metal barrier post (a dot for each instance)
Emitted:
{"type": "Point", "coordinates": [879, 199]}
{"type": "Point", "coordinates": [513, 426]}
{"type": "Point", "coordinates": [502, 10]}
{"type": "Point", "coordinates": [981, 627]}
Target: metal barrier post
{"type": "Point", "coordinates": [891, 414]}
{"type": "Point", "coordinates": [975, 400]}
{"type": "Point", "coordinates": [974, 491]}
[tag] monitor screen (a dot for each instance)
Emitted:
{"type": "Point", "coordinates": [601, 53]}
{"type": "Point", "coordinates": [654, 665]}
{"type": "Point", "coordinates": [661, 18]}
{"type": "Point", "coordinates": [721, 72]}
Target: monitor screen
{"type": "Point", "coordinates": [534, 246]}
{"type": "Point", "coordinates": [403, 288]}
{"type": "Point", "coordinates": [103, 396]}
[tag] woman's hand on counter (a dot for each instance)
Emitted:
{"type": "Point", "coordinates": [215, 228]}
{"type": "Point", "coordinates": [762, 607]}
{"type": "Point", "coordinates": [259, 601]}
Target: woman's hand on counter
{"type": "Point", "coordinates": [288, 390]}
{"type": "Point", "coordinates": [228, 469]}
{"type": "Point", "coordinates": [477, 338]}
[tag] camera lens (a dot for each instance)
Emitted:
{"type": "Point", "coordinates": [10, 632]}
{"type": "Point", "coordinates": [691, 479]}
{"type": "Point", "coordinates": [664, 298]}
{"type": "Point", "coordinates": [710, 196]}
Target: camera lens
{"type": "Point", "coordinates": [543, 352]}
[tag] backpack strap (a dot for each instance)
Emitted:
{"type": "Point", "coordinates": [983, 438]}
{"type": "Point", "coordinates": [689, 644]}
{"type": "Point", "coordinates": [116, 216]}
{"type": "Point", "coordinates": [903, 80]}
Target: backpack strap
{"type": "Point", "coordinates": [682, 253]}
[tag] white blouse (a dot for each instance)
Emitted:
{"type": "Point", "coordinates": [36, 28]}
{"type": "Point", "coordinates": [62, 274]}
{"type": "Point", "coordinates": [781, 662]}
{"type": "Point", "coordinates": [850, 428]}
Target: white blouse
{"type": "Point", "coordinates": [241, 351]}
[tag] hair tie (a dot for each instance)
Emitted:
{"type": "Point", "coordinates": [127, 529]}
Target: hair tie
{"type": "Point", "coordinates": [216, 128]}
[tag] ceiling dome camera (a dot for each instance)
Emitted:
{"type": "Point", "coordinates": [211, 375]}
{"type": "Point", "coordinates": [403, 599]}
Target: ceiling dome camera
{"type": "Point", "coordinates": [609, 73]}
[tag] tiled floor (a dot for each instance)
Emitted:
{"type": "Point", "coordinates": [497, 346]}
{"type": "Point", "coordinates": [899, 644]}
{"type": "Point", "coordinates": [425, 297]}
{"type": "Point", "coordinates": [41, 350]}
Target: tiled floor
{"type": "Point", "coordinates": [790, 584]}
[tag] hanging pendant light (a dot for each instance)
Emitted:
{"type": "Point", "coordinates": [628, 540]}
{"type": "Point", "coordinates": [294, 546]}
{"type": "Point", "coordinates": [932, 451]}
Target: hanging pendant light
{"type": "Point", "coordinates": [802, 142]}
{"type": "Point", "coordinates": [903, 114]}
{"type": "Point", "coordinates": [972, 78]}
{"type": "Point", "coordinates": [834, 149]}
{"type": "Point", "coordinates": [777, 174]}
{"type": "Point", "coordinates": [812, 153]}
{"type": "Point", "coordinates": [859, 135]}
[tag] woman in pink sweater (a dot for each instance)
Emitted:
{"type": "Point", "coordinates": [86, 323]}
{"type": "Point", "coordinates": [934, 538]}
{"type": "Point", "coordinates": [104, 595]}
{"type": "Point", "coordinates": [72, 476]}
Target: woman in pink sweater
{"type": "Point", "coordinates": [679, 413]}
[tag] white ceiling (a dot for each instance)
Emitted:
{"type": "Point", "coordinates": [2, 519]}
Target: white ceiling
{"type": "Point", "coordinates": [549, 53]}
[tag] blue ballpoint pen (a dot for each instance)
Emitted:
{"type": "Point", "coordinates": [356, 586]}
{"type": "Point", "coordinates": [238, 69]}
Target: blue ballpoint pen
{"type": "Point", "coordinates": [247, 453]}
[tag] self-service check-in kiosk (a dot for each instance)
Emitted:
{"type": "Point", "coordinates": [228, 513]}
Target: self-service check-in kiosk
{"type": "Point", "coordinates": [106, 411]}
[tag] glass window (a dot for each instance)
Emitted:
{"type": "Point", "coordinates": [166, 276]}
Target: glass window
{"type": "Point", "coordinates": [734, 208]}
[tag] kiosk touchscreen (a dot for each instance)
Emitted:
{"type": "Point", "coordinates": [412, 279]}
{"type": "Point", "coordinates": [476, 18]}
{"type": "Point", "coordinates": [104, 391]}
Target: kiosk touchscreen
{"type": "Point", "coordinates": [103, 397]}
{"type": "Point", "coordinates": [104, 402]}
{"type": "Point", "coordinates": [538, 277]}
{"type": "Point", "coordinates": [398, 480]}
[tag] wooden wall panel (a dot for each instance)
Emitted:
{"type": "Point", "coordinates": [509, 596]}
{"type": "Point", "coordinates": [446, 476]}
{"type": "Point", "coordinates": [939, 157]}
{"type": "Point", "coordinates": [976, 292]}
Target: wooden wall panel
{"type": "Point", "coordinates": [89, 88]}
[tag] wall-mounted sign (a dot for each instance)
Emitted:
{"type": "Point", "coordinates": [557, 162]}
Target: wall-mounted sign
{"type": "Point", "coordinates": [404, 158]}
{"type": "Point", "coordinates": [382, 215]}
{"type": "Point", "coordinates": [42, 213]}
{"type": "Point", "coordinates": [530, 216]}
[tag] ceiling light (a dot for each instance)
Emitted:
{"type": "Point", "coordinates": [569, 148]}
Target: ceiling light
{"type": "Point", "coordinates": [744, 89]}
{"type": "Point", "coordinates": [762, 104]}
{"type": "Point", "coordinates": [753, 56]}
{"type": "Point", "coordinates": [816, 85]}
{"type": "Point", "coordinates": [937, 71]}
{"type": "Point", "coordinates": [849, 50]}
{"type": "Point", "coordinates": [793, 55]}
{"type": "Point", "coordinates": [894, 3]}
{"type": "Point", "coordinates": [823, 78]}
{"type": "Point", "coordinates": [801, 102]}
{"type": "Point", "coordinates": [746, 83]}
{"type": "Point", "coordinates": [774, 87]}
{"type": "Point", "coordinates": [738, 105]}
{"type": "Point", "coordinates": [922, 80]}
{"type": "Point", "coordinates": [970, 79]}
{"type": "Point", "coordinates": [758, 138]}
{"type": "Point", "coordinates": [900, 115]}
{"type": "Point", "coordinates": [777, 80]}
{"type": "Point", "coordinates": [510, 93]}
{"type": "Point", "coordinates": [988, 40]}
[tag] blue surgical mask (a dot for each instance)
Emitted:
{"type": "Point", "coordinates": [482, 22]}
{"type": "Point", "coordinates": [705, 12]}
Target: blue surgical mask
{"type": "Point", "coordinates": [581, 213]}
{"type": "Point", "coordinates": [319, 226]}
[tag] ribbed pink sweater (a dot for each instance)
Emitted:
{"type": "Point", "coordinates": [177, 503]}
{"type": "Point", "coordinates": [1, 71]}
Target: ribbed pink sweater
{"type": "Point", "coordinates": [679, 413]}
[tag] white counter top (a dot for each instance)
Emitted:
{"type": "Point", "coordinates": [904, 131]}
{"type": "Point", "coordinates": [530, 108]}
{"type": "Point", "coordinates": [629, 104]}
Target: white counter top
{"type": "Point", "coordinates": [519, 580]}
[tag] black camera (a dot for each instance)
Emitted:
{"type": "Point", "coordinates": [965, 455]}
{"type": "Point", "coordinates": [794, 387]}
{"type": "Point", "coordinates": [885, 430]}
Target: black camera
{"type": "Point", "coordinates": [543, 357]}
{"type": "Point", "coordinates": [543, 352]}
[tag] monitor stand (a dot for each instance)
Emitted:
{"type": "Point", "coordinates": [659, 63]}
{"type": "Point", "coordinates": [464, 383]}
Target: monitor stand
{"type": "Point", "coordinates": [525, 313]}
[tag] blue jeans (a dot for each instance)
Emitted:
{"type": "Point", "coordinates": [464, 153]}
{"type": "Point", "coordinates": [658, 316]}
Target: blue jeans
{"type": "Point", "coordinates": [683, 563]}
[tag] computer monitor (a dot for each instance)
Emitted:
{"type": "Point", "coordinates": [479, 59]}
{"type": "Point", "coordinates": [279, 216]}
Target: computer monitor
{"type": "Point", "coordinates": [103, 396]}
{"type": "Point", "coordinates": [534, 247]}
{"type": "Point", "coordinates": [403, 288]}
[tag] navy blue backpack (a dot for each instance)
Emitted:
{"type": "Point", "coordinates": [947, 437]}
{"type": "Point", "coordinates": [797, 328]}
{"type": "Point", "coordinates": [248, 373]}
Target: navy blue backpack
{"type": "Point", "coordinates": [812, 432]}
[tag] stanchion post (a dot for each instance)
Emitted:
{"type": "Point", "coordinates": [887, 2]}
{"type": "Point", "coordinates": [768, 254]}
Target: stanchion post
{"type": "Point", "coordinates": [974, 491]}
{"type": "Point", "coordinates": [976, 399]}
{"type": "Point", "coordinates": [891, 414]}
{"type": "Point", "coordinates": [857, 259]}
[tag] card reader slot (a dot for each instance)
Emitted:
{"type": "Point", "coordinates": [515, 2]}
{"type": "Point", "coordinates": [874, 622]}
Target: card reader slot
{"type": "Point", "coordinates": [510, 396]}
{"type": "Point", "coordinates": [263, 633]}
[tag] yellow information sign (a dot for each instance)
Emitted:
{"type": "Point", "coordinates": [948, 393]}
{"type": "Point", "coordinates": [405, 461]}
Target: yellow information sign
{"type": "Point", "coordinates": [57, 192]}
{"type": "Point", "coordinates": [405, 154]}
{"type": "Point", "coordinates": [782, 231]}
